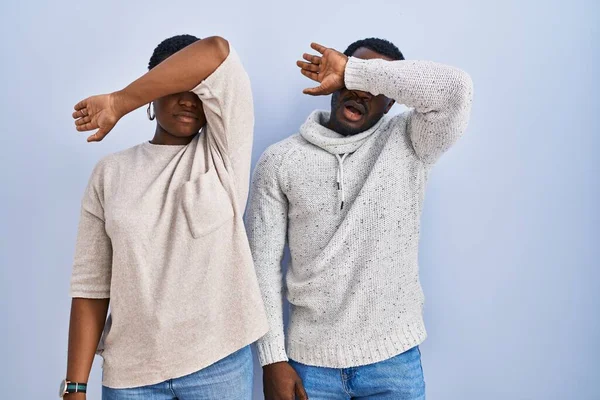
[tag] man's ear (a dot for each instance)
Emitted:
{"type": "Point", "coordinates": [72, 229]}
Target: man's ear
{"type": "Point", "coordinates": [389, 106]}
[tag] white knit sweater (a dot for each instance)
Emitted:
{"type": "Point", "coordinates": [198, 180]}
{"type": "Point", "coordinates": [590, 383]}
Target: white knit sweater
{"type": "Point", "coordinates": [353, 281]}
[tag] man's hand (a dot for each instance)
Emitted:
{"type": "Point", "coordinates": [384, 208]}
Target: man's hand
{"type": "Point", "coordinates": [327, 69]}
{"type": "Point", "coordinates": [281, 382]}
{"type": "Point", "coordinates": [97, 112]}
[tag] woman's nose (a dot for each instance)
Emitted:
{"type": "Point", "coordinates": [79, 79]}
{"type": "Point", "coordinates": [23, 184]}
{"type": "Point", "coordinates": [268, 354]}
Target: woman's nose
{"type": "Point", "coordinates": [188, 99]}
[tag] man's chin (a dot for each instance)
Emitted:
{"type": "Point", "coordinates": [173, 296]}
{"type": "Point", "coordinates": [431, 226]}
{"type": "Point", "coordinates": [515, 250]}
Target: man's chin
{"type": "Point", "coordinates": [346, 127]}
{"type": "Point", "coordinates": [350, 130]}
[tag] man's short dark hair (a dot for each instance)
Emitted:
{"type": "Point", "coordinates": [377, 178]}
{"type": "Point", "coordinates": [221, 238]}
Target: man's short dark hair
{"type": "Point", "coordinates": [170, 46]}
{"type": "Point", "coordinates": [381, 46]}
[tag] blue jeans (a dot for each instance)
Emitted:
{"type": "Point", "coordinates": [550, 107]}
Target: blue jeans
{"type": "Point", "coordinates": [398, 378]}
{"type": "Point", "coordinates": [229, 378]}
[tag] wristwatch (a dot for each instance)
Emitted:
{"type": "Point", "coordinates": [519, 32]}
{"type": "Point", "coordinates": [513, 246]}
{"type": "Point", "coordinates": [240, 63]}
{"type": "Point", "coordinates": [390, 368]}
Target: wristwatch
{"type": "Point", "coordinates": [67, 387]}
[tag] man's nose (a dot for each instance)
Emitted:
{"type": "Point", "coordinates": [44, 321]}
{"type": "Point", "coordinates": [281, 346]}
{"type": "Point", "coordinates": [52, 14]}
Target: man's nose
{"type": "Point", "coordinates": [364, 96]}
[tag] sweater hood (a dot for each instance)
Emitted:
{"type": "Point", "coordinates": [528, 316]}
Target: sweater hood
{"type": "Point", "coordinates": [315, 132]}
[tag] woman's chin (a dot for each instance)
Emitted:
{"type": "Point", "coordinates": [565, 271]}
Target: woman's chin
{"type": "Point", "coordinates": [185, 133]}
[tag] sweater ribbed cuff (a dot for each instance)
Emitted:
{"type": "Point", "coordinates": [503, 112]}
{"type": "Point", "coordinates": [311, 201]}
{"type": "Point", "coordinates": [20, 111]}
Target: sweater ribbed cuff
{"type": "Point", "coordinates": [270, 352]}
{"type": "Point", "coordinates": [354, 76]}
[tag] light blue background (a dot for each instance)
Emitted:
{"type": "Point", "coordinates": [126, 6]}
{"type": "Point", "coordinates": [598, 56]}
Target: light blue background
{"type": "Point", "coordinates": [509, 251]}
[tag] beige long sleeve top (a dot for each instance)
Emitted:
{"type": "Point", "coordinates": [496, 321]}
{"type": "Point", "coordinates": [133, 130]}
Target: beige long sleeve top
{"type": "Point", "coordinates": [161, 234]}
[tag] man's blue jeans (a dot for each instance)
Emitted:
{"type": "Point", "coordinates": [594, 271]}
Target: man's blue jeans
{"type": "Point", "coordinates": [398, 378]}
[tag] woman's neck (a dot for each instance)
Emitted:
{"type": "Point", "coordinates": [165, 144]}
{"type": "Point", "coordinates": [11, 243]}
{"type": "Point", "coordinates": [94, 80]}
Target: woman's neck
{"type": "Point", "coordinates": [163, 137]}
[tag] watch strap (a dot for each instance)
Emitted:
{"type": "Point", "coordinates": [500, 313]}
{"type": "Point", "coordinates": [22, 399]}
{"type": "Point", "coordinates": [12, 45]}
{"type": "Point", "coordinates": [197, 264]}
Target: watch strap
{"type": "Point", "coordinates": [74, 387]}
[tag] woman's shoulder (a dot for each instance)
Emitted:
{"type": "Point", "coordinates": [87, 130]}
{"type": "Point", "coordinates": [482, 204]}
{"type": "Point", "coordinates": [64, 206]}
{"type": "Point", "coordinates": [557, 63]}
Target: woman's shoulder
{"type": "Point", "coordinates": [113, 162]}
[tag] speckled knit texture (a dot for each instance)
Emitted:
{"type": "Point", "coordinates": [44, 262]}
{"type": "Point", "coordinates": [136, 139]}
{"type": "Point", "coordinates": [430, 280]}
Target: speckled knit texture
{"type": "Point", "coordinates": [353, 281]}
{"type": "Point", "coordinates": [161, 234]}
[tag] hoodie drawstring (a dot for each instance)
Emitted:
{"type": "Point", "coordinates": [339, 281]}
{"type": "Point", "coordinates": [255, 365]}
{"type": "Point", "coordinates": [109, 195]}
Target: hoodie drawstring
{"type": "Point", "coordinates": [340, 177]}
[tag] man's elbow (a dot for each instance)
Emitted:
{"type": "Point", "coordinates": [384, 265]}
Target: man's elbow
{"type": "Point", "coordinates": [464, 89]}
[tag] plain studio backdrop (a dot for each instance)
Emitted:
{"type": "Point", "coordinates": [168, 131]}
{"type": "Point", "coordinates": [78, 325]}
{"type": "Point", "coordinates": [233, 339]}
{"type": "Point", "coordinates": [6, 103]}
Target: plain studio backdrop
{"type": "Point", "coordinates": [509, 248]}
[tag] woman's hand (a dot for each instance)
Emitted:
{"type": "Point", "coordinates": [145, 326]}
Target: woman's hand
{"type": "Point", "coordinates": [97, 112]}
{"type": "Point", "coordinates": [181, 72]}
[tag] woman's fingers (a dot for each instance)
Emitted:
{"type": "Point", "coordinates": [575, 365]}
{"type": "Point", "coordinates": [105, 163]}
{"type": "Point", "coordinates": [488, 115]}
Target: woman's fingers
{"type": "Point", "coordinates": [81, 105]}
{"type": "Point", "coordinates": [98, 136]}
{"type": "Point", "coordinates": [83, 120]}
{"type": "Point", "coordinates": [95, 113]}
{"type": "Point", "coordinates": [88, 126]}
{"type": "Point", "coordinates": [80, 113]}
{"type": "Point", "coordinates": [93, 138]}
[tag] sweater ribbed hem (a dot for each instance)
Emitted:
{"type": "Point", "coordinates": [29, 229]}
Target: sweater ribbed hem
{"type": "Point", "coordinates": [354, 76]}
{"type": "Point", "coordinates": [270, 353]}
{"type": "Point", "coordinates": [404, 338]}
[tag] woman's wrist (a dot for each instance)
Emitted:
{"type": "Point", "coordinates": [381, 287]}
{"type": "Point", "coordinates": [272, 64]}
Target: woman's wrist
{"type": "Point", "coordinates": [75, 396]}
{"type": "Point", "coordinates": [123, 103]}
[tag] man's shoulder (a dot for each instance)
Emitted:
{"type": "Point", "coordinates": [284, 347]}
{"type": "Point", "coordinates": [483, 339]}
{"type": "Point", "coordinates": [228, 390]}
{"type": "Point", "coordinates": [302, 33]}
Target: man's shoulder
{"type": "Point", "coordinates": [284, 146]}
{"type": "Point", "coordinates": [282, 149]}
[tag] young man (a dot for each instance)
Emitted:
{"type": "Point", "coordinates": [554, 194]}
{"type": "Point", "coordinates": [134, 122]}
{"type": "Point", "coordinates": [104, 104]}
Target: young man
{"type": "Point", "coordinates": [347, 193]}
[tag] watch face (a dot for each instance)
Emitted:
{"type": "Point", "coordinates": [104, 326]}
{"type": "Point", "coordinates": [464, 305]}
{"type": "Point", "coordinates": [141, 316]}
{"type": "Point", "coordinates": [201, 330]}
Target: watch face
{"type": "Point", "coordinates": [63, 389]}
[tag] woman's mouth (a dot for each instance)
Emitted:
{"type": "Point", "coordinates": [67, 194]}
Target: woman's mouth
{"type": "Point", "coordinates": [186, 116]}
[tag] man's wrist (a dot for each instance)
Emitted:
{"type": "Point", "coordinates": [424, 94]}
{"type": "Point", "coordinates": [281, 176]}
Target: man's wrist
{"type": "Point", "coordinates": [275, 364]}
{"type": "Point", "coordinates": [354, 74]}
{"type": "Point", "coordinates": [344, 69]}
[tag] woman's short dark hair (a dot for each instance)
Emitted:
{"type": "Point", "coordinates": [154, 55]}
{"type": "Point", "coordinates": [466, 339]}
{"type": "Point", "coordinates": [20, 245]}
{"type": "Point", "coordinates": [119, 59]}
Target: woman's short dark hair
{"type": "Point", "coordinates": [168, 47]}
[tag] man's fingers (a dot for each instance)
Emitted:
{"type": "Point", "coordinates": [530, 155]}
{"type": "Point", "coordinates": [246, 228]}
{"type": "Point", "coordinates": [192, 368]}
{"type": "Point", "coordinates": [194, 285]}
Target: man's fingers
{"type": "Point", "coordinates": [300, 392]}
{"type": "Point", "coordinates": [316, 91]}
{"type": "Point", "coordinates": [320, 48]}
{"type": "Point", "coordinates": [312, 75]}
{"type": "Point", "coordinates": [307, 66]}
{"type": "Point", "coordinates": [312, 58]}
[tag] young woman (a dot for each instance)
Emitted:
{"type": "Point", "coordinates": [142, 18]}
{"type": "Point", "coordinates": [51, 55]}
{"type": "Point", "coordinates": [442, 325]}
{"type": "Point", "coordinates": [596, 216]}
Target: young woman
{"type": "Point", "coordinates": [161, 236]}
